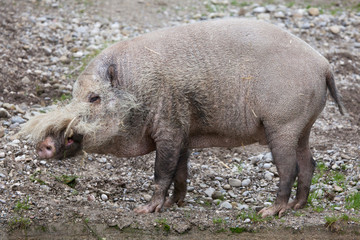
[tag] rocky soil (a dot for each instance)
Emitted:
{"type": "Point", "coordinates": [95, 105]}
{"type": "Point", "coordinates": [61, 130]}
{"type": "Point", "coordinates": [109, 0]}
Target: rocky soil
{"type": "Point", "coordinates": [45, 44]}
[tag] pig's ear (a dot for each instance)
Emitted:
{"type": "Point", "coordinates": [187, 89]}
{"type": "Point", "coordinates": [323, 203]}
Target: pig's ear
{"type": "Point", "coordinates": [112, 75]}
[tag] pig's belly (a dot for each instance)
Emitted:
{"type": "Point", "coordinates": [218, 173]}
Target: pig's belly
{"type": "Point", "coordinates": [211, 140]}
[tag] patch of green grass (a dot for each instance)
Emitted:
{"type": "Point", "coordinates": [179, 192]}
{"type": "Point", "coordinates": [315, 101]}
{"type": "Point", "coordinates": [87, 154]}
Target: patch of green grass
{"type": "Point", "coordinates": [74, 192]}
{"type": "Point", "coordinates": [339, 178]}
{"type": "Point", "coordinates": [334, 206]}
{"type": "Point", "coordinates": [320, 170]}
{"type": "Point", "coordinates": [353, 201]}
{"type": "Point", "coordinates": [240, 168]}
{"type": "Point", "coordinates": [270, 2]}
{"type": "Point", "coordinates": [345, 217]}
{"type": "Point", "coordinates": [240, 4]}
{"type": "Point", "coordinates": [210, 8]}
{"type": "Point", "coordinates": [35, 179]}
{"type": "Point", "coordinates": [290, 4]}
{"type": "Point", "coordinates": [318, 209]}
{"type": "Point", "coordinates": [163, 223]}
{"type": "Point", "coordinates": [253, 216]}
{"type": "Point", "coordinates": [68, 180]}
{"type": "Point", "coordinates": [312, 197]}
{"type": "Point", "coordinates": [65, 97]}
{"type": "Point", "coordinates": [356, 7]}
{"type": "Point", "coordinates": [238, 230]}
{"type": "Point", "coordinates": [298, 214]}
{"type": "Point", "coordinates": [331, 220]}
{"type": "Point", "coordinates": [19, 222]}
{"type": "Point", "coordinates": [218, 221]}
{"type": "Point", "coordinates": [22, 205]}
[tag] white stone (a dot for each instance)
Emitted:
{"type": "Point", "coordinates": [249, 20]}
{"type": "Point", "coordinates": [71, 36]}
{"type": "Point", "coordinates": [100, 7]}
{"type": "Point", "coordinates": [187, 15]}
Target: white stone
{"type": "Point", "coordinates": [246, 182]}
{"type": "Point", "coordinates": [335, 29]}
{"type": "Point", "coordinates": [338, 189]}
{"type": "Point", "coordinates": [268, 157]}
{"type": "Point", "coordinates": [104, 197]}
{"type": "Point", "coordinates": [243, 207]}
{"type": "Point", "coordinates": [279, 14]}
{"type": "Point", "coordinates": [225, 205]}
{"type": "Point", "coordinates": [78, 54]}
{"type": "Point", "coordinates": [269, 176]}
{"type": "Point", "coordinates": [259, 10]}
{"type": "Point", "coordinates": [25, 80]}
{"type": "Point", "coordinates": [147, 197]}
{"type": "Point", "coordinates": [267, 165]}
{"type": "Point", "coordinates": [235, 182]}
{"type": "Point", "coordinates": [264, 16]}
{"type": "Point", "coordinates": [313, 11]}
{"type": "Point", "coordinates": [209, 192]}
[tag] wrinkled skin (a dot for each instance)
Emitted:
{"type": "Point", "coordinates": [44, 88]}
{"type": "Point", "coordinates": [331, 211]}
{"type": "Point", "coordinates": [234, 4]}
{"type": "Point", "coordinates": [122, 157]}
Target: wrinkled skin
{"type": "Point", "coordinates": [223, 83]}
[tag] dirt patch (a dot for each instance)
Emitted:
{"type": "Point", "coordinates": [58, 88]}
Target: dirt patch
{"type": "Point", "coordinates": [43, 46]}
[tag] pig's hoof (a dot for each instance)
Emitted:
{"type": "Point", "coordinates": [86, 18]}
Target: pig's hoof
{"type": "Point", "coordinates": [170, 201]}
{"type": "Point", "coordinates": [149, 208]}
{"type": "Point", "coordinates": [273, 210]}
{"type": "Point", "coordinates": [297, 204]}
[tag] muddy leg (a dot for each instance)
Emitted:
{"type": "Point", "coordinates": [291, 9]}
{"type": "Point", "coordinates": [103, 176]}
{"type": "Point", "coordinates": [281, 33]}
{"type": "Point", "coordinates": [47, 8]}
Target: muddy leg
{"type": "Point", "coordinates": [166, 161]}
{"type": "Point", "coordinates": [306, 166]}
{"type": "Point", "coordinates": [285, 160]}
{"type": "Point", "coordinates": [179, 181]}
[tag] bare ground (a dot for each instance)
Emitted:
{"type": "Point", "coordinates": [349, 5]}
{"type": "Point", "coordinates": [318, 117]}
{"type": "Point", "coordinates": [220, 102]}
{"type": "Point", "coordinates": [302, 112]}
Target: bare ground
{"type": "Point", "coordinates": [62, 214]}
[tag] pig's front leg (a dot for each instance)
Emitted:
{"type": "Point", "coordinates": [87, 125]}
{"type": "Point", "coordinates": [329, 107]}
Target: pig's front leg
{"type": "Point", "coordinates": [166, 161]}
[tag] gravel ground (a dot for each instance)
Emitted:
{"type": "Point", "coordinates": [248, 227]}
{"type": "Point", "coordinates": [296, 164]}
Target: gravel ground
{"type": "Point", "coordinates": [44, 45]}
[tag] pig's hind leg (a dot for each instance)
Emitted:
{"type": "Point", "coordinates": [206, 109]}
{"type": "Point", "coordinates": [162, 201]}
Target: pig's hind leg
{"type": "Point", "coordinates": [306, 166]}
{"type": "Point", "coordinates": [283, 147]}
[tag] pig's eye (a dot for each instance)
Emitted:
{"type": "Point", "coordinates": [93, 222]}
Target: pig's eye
{"type": "Point", "coordinates": [94, 98]}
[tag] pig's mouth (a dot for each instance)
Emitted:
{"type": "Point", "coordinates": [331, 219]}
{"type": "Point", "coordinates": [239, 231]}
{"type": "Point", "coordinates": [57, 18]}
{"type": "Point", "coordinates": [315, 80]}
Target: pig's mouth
{"type": "Point", "coordinates": [72, 145]}
{"type": "Point", "coordinates": [72, 140]}
{"type": "Point", "coordinates": [75, 139]}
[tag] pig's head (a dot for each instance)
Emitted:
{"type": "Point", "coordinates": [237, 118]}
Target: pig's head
{"type": "Point", "coordinates": [96, 118]}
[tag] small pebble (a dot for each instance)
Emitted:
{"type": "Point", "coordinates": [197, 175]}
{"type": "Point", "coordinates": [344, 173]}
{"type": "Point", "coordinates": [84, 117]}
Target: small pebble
{"type": "Point", "coordinates": [335, 29]}
{"type": "Point", "coordinates": [17, 119]}
{"type": "Point", "coordinates": [235, 182]}
{"type": "Point", "coordinates": [313, 11]}
{"type": "Point", "coordinates": [225, 205]}
{"type": "Point", "coordinates": [104, 197]}
{"type": "Point", "coordinates": [217, 195]}
{"type": "Point", "coordinates": [209, 192]}
{"type": "Point", "coordinates": [338, 189]}
{"type": "Point", "coordinates": [259, 10]}
{"type": "Point", "coordinates": [4, 113]}
{"type": "Point", "coordinates": [269, 176]}
{"type": "Point", "coordinates": [147, 197]}
{"type": "Point", "coordinates": [245, 182]}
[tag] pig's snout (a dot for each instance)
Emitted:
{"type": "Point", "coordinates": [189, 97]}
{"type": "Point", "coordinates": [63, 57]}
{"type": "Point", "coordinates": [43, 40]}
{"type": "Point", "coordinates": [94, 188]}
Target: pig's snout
{"type": "Point", "coordinates": [46, 148]}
